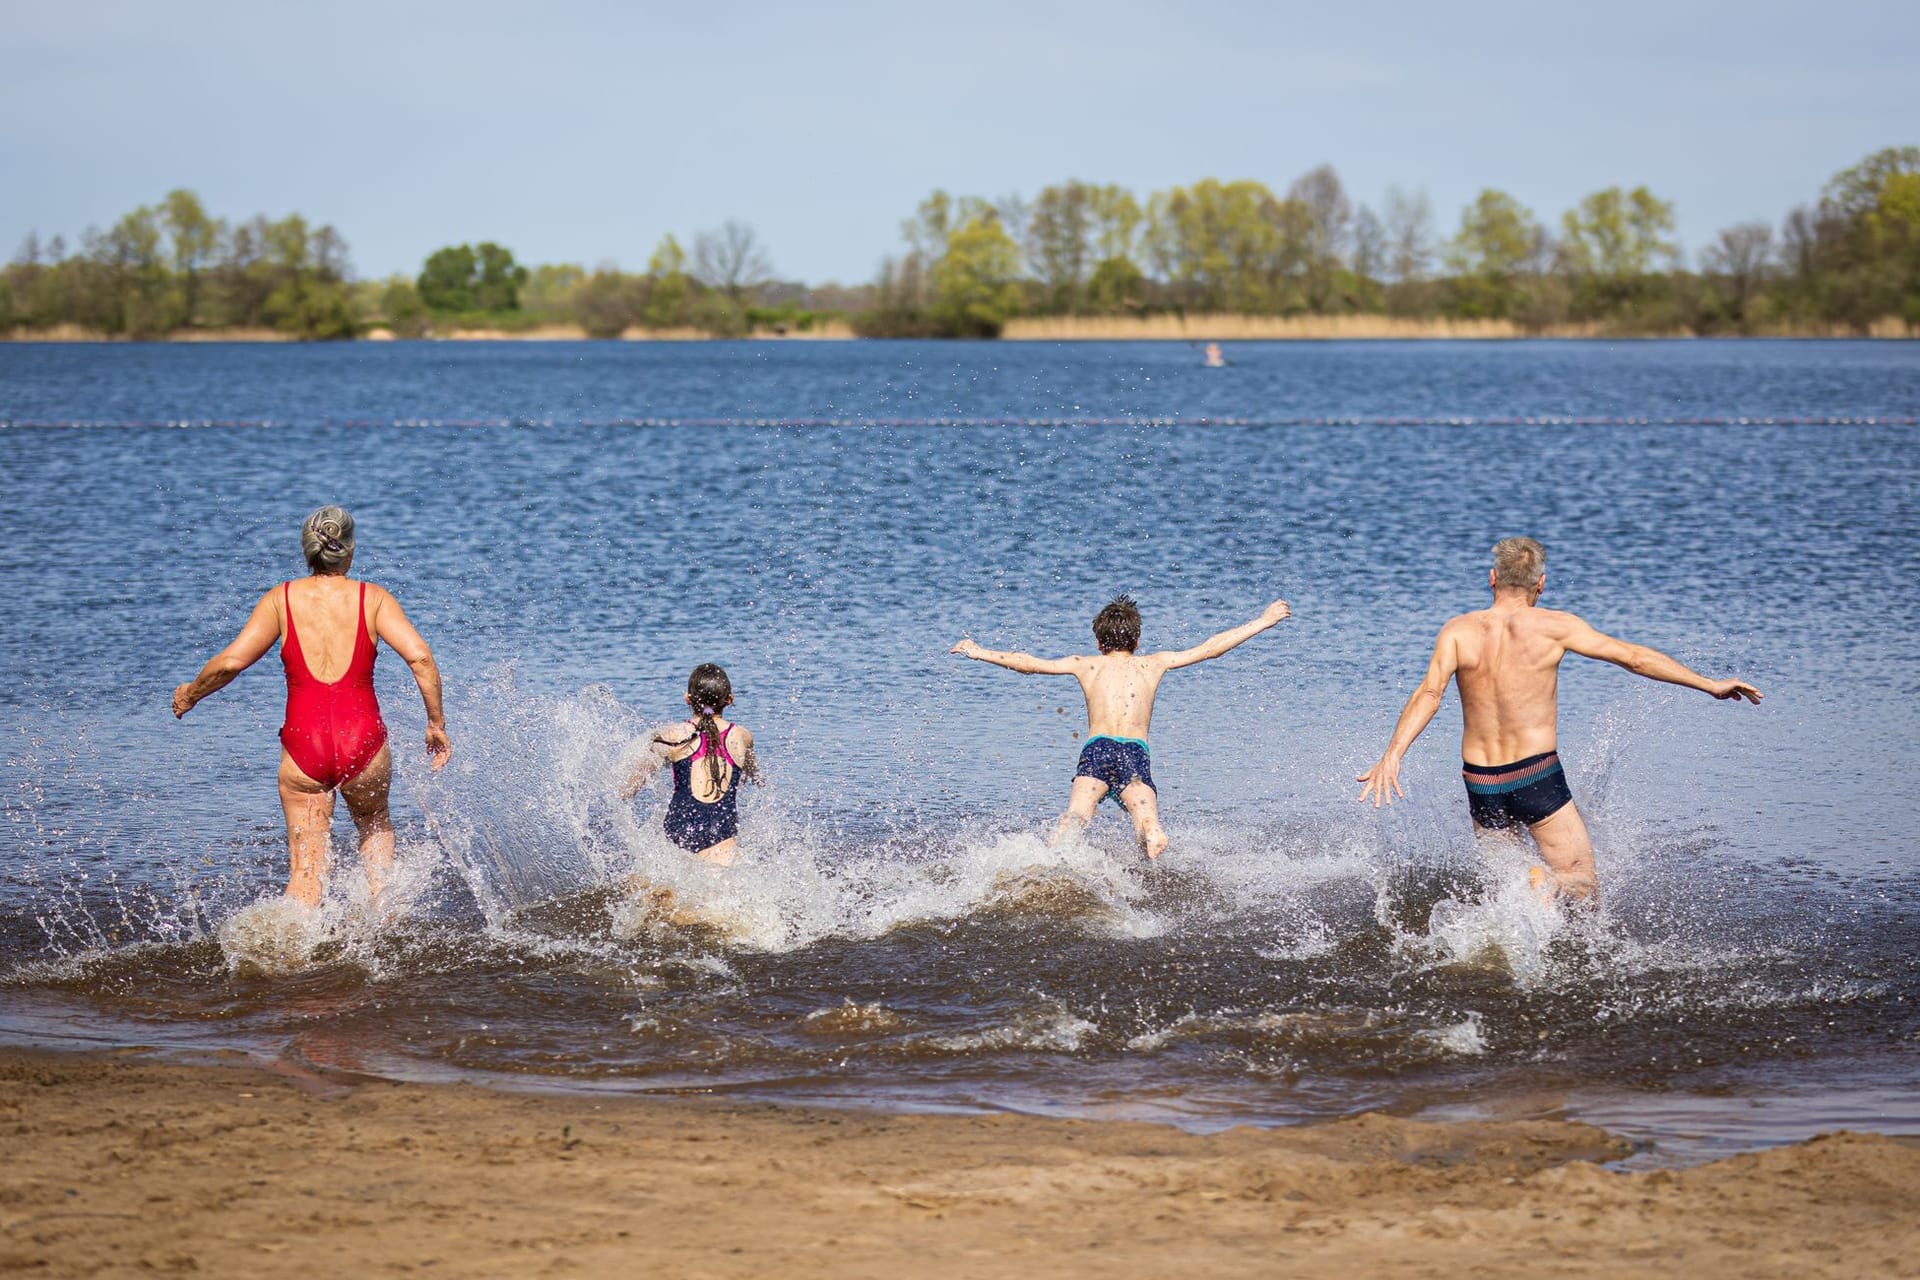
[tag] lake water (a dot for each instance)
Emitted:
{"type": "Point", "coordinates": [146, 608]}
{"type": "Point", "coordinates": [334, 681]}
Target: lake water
{"type": "Point", "coordinates": [575, 526]}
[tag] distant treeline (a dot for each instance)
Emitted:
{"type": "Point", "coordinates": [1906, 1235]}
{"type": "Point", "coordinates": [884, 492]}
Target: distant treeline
{"type": "Point", "coordinates": [1847, 261]}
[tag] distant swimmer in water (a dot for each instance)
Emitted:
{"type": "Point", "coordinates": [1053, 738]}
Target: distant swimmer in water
{"type": "Point", "coordinates": [708, 756]}
{"type": "Point", "coordinates": [1507, 661]}
{"type": "Point", "coordinates": [1119, 685]}
{"type": "Point", "coordinates": [333, 738]}
{"type": "Point", "coordinates": [1214, 359]}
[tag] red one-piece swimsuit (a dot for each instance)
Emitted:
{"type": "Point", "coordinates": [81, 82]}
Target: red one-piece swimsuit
{"type": "Point", "coordinates": [333, 730]}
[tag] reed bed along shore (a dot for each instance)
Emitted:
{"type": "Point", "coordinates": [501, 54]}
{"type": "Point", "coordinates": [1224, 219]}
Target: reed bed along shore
{"type": "Point", "coordinates": [1173, 327]}
{"type": "Point", "coordinates": [1165, 327]}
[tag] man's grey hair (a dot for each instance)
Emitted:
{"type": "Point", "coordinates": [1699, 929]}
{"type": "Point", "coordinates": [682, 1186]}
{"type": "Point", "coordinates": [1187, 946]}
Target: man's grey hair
{"type": "Point", "coordinates": [1518, 563]}
{"type": "Point", "coordinates": [326, 539]}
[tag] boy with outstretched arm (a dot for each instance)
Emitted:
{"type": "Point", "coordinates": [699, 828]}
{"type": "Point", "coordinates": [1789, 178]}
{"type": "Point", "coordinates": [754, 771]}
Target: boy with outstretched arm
{"type": "Point", "coordinates": [1119, 685]}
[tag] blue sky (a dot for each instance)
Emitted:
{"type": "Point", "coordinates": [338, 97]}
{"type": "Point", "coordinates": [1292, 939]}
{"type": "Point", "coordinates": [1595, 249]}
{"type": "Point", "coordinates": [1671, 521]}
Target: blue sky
{"type": "Point", "coordinates": [584, 131]}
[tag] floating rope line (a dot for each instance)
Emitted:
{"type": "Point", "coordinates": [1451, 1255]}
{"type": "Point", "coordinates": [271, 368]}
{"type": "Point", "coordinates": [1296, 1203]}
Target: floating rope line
{"type": "Point", "coordinates": [1408, 420]}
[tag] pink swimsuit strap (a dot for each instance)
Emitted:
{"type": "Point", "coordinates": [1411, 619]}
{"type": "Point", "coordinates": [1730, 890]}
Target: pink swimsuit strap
{"type": "Point", "coordinates": [700, 752]}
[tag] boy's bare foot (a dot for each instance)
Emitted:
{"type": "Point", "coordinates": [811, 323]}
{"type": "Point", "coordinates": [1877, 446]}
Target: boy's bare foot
{"type": "Point", "coordinates": [1155, 842]}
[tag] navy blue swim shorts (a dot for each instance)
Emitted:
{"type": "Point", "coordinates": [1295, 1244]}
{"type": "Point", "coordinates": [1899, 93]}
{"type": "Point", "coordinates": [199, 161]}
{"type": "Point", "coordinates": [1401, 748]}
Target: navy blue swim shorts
{"type": "Point", "coordinates": [1118, 762]}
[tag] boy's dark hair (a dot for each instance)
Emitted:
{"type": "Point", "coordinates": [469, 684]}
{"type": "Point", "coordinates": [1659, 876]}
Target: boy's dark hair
{"type": "Point", "coordinates": [1116, 628]}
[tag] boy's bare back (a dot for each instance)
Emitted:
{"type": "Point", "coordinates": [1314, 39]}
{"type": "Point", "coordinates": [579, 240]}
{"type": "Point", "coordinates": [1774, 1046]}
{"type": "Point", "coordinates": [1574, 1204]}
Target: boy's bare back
{"type": "Point", "coordinates": [1119, 689]}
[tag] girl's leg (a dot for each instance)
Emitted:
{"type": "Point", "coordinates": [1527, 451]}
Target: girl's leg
{"type": "Point", "coordinates": [721, 854]}
{"type": "Point", "coordinates": [309, 810]}
{"type": "Point", "coordinates": [366, 796]}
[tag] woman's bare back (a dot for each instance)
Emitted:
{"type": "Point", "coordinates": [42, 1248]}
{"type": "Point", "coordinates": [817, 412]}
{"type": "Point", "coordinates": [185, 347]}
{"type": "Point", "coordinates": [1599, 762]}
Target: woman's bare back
{"type": "Point", "coordinates": [324, 612]}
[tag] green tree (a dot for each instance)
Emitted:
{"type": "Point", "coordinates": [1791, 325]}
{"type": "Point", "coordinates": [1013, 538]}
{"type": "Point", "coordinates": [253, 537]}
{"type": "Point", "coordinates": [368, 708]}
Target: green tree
{"type": "Point", "coordinates": [1619, 235]}
{"type": "Point", "coordinates": [132, 275]}
{"type": "Point", "coordinates": [309, 307]}
{"type": "Point", "coordinates": [550, 288]}
{"type": "Point", "coordinates": [1229, 246]}
{"type": "Point", "coordinates": [1059, 226]}
{"type": "Point", "coordinates": [1324, 233]}
{"type": "Point", "coordinates": [670, 294]}
{"type": "Point", "coordinates": [402, 309]}
{"type": "Point", "coordinates": [496, 287]}
{"type": "Point", "coordinates": [1497, 241]}
{"type": "Point", "coordinates": [1116, 286]}
{"type": "Point", "coordinates": [975, 282]}
{"type": "Point", "coordinates": [1856, 192]}
{"type": "Point", "coordinates": [1866, 241]}
{"type": "Point", "coordinates": [1738, 264]}
{"type": "Point", "coordinates": [1117, 217]}
{"type": "Point", "coordinates": [607, 303]}
{"type": "Point", "coordinates": [306, 267]}
{"type": "Point", "coordinates": [196, 239]}
{"type": "Point", "coordinates": [447, 279]}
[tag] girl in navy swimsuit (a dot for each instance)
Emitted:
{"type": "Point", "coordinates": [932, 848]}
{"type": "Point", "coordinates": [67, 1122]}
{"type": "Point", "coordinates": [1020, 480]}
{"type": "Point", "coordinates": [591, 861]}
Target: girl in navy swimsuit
{"type": "Point", "coordinates": [708, 756]}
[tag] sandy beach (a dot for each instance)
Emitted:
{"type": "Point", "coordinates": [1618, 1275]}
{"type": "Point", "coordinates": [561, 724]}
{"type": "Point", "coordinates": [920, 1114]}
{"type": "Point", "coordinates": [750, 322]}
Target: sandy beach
{"type": "Point", "coordinates": [120, 1165]}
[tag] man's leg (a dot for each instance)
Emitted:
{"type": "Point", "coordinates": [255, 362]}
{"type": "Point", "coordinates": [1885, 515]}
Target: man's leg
{"type": "Point", "coordinates": [1568, 852]}
{"type": "Point", "coordinates": [1081, 803]}
{"type": "Point", "coordinates": [1143, 806]}
{"type": "Point", "coordinates": [309, 810]}
{"type": "Point", "coordinates": [366, 796]}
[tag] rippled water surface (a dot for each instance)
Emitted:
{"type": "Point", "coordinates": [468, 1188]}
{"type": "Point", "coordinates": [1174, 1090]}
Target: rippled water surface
{"type": "Point", "coordinates": [898, 931]}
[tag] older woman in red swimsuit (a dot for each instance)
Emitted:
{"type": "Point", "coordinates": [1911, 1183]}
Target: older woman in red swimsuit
{"type": "Point", "coordinates": [334, 738]}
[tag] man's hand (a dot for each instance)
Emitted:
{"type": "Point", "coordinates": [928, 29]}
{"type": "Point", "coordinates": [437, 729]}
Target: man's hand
{"type": "Point", "coordinates": [1383, 782]}
{"type": "Point", "coordinates": [1725, 690]}
{"type": "Point", "coordinates": [1276, 612]}
{"type": "Point", "coordinates": [183, 700]}
{"type": "Point", "coordinates": [439, 746]}
{"type": "Point", "coordinates": [966, 648]}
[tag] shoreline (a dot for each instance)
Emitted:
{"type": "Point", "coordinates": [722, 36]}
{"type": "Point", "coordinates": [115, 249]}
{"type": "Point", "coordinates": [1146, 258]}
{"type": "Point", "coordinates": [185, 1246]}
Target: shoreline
{"type": "Point", "coordinates": [121, 1162]}
{"type": "Point", "coordinates": [1156, 328]}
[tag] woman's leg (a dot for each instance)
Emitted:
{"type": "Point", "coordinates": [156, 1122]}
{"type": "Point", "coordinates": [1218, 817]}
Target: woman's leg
{"type": "Point", "coordinates": [309, 810]}
{"type": "Point", "coordinates": [366, 794]}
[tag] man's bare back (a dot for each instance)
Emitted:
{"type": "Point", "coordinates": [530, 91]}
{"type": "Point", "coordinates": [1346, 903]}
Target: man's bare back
{"type": "Point", "coordinates": [1506, 660]}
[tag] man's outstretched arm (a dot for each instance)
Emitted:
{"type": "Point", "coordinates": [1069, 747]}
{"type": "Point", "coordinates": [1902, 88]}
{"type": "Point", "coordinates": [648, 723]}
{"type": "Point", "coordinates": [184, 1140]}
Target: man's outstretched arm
{"type": "Point", "coordinates": [1214, 646]}
{"type": "Point", "coordinates": [1383, 779]}
{"type": "Point", "coordinates": [1651, 663]}
{"type": "Point", "coordinates": [1022, 662]}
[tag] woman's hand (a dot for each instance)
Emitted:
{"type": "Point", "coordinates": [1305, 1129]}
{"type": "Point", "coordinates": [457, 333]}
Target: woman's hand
{"type": "Point", "coordinates": [439, 746]}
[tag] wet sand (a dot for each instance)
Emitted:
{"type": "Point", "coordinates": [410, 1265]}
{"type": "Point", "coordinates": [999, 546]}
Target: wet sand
{"type": "Point", "coordinates": [120, 1165]}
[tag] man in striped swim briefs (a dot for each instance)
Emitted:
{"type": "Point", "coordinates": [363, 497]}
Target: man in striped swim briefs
{"type": "Point", "coordinates": [1506, 659]}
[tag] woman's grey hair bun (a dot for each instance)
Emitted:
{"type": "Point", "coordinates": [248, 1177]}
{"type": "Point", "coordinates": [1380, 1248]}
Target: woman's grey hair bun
{"type": "Point", "coordinates": [326, 539]}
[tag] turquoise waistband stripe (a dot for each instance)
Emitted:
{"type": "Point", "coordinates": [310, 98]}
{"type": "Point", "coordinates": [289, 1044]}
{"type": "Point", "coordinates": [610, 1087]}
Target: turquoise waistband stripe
{"type": "Point", "coordinates": [1134, 742]}
{"type": "Point", "coordinates": [1502, 788]}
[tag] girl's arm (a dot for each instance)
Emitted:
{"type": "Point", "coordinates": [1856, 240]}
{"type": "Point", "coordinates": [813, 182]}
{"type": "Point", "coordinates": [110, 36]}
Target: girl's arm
{"type": "Point", "coordinates": [662, 747]}
{"type": "Point", "coordinates": [749, 763]}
